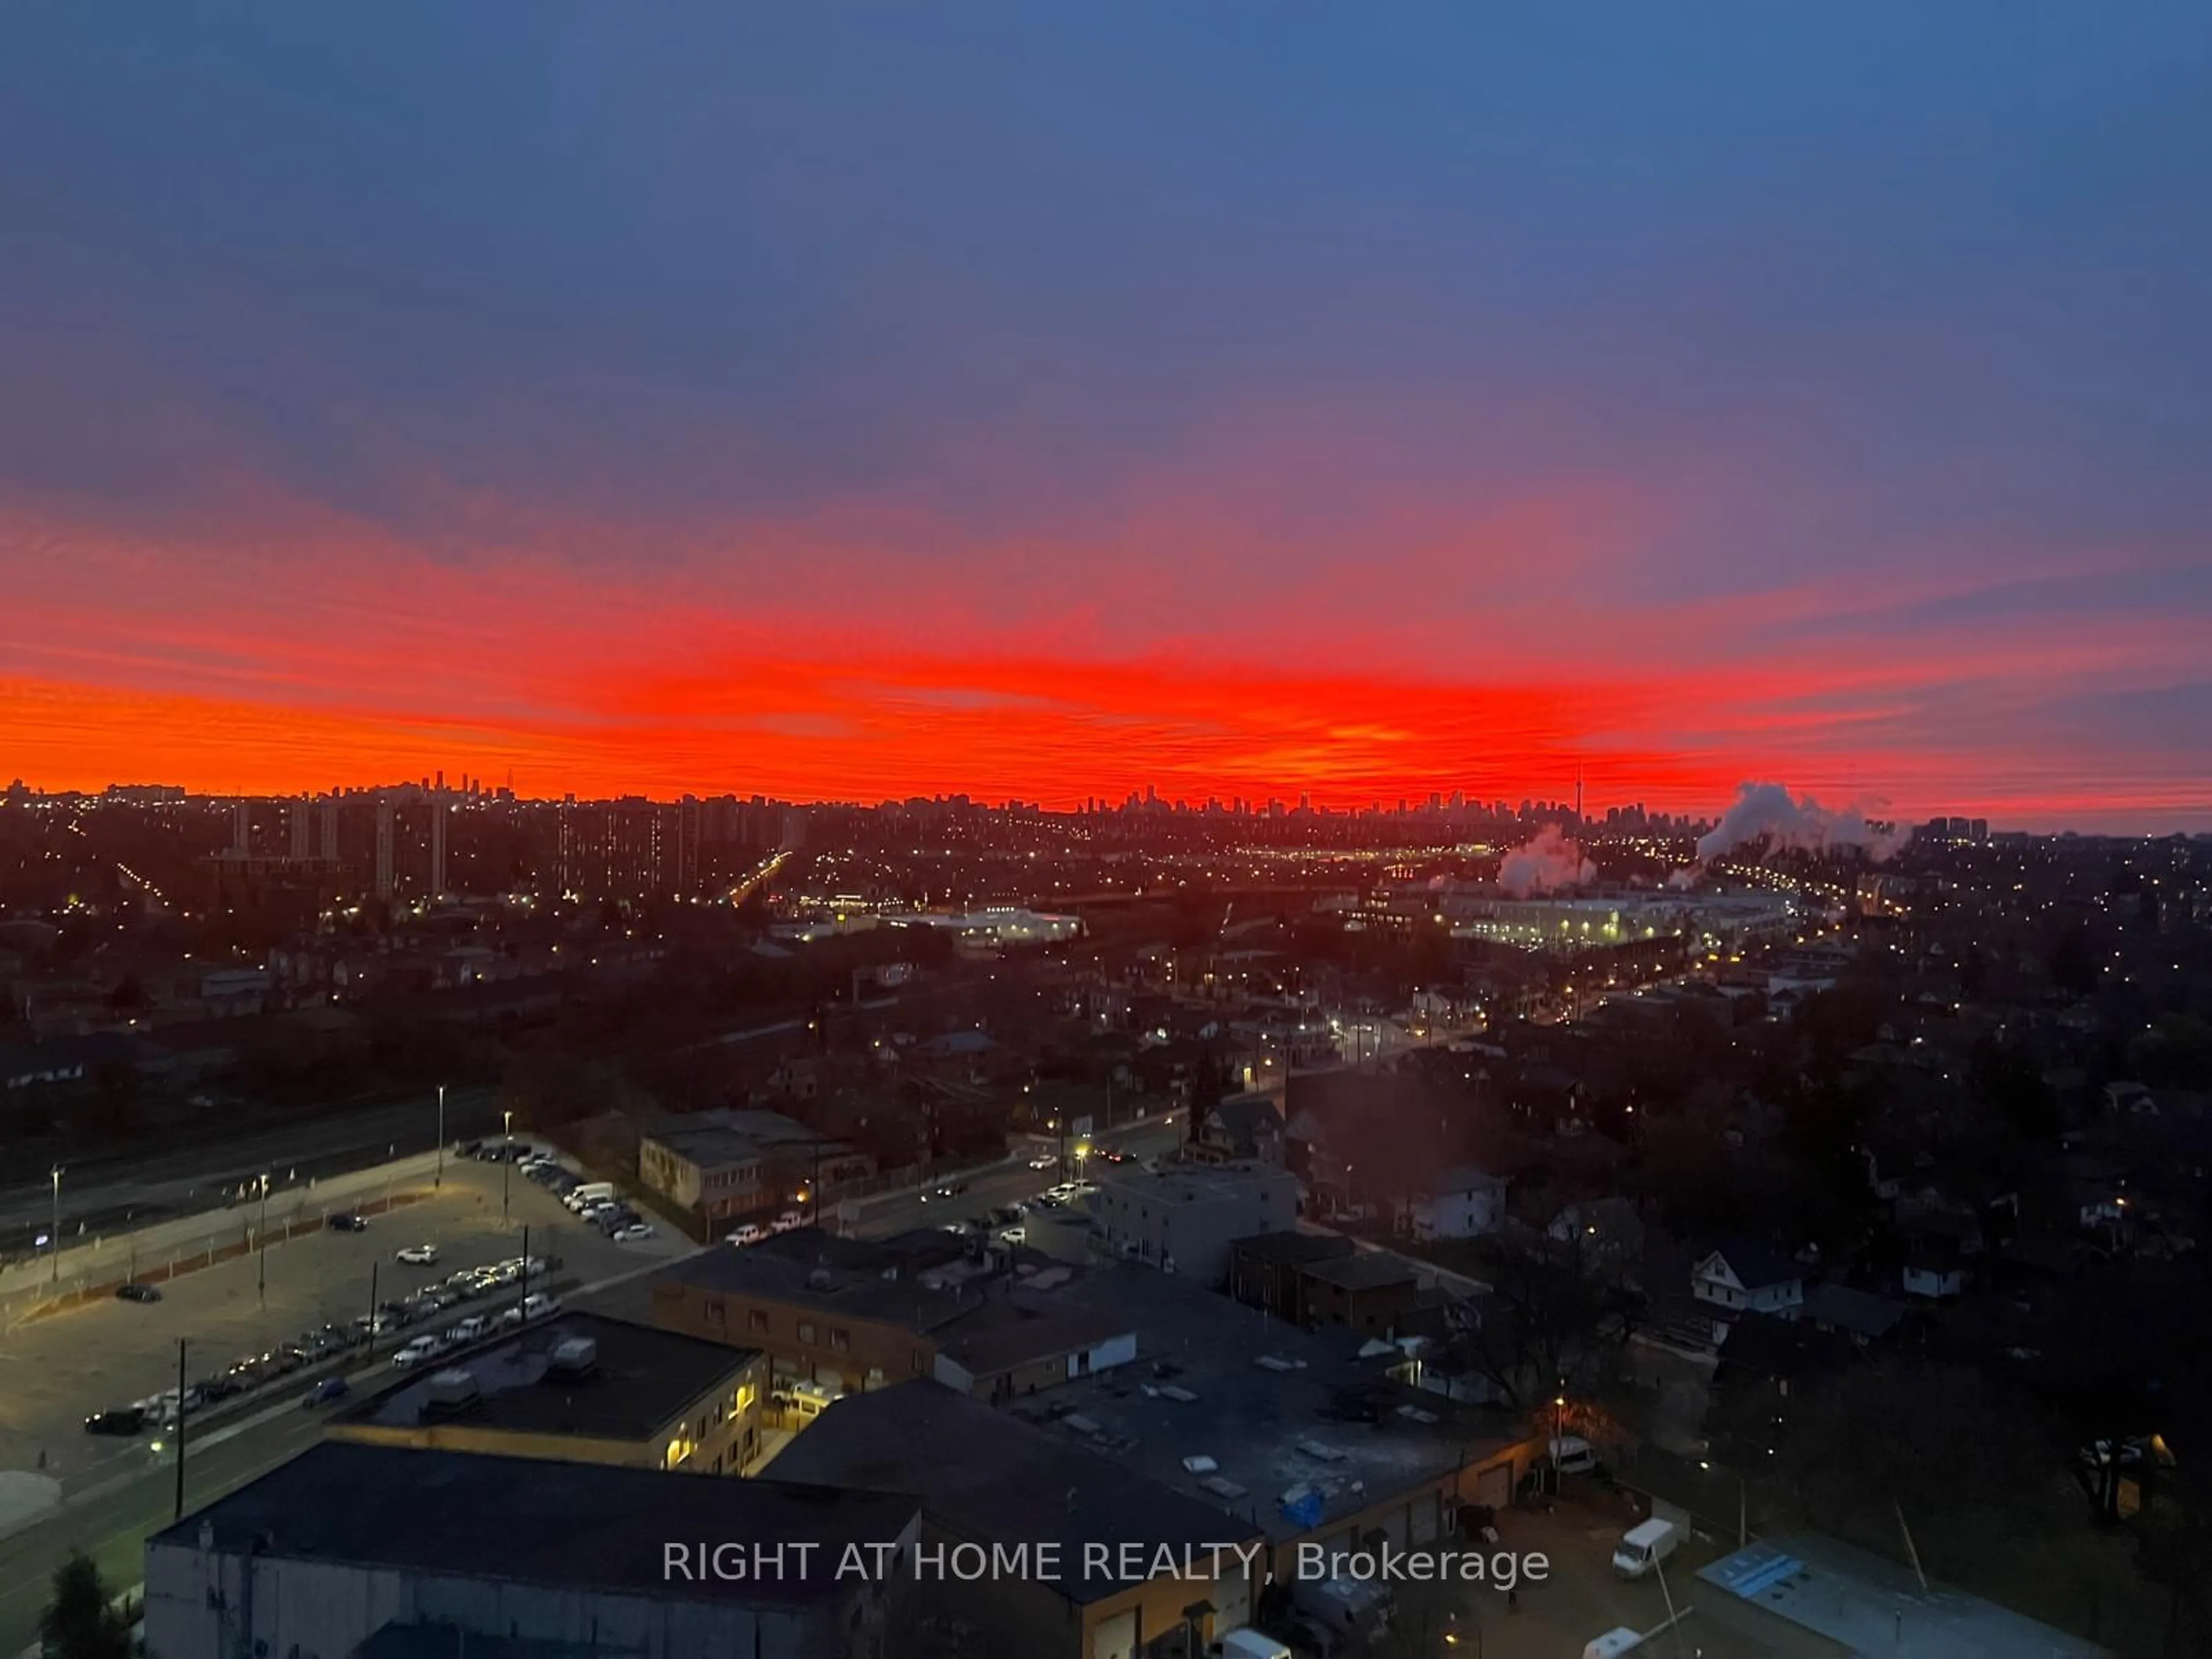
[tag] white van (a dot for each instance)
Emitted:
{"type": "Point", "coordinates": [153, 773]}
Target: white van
{"type": "Point", "coordinates": [1573, 1454]}
{"type": "Point", "coordinates": [1644, 1547]}
{"type": "Point", "coordinates": [1246, 1642]}
{"type": "Point", "coordinates": [591, 1193]}
{"type": "Point", "coordinates": [1615, 1642]}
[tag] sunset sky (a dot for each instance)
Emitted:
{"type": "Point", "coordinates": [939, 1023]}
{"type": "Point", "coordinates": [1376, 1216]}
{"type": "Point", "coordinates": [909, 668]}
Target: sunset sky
{"type": "Point", "coordinates": [844, 401]}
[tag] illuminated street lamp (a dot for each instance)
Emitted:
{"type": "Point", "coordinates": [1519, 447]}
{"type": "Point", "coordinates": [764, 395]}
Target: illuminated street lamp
{"type": "Point", "coordinates": [262, 1253]}
{"type": "Point", "coordinates": [54, 1238]}
{"type": "Point", "coordinates": [506, 1160]}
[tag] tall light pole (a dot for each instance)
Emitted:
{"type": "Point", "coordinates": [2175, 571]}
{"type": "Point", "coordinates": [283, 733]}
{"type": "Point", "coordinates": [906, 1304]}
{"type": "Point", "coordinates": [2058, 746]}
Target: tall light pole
{"type": "Point", "coordinates": [54, 1238]}
{"type": "Point", "coordinates": [179, 1512]}
{"type": "Point", "coordinates": [506, 1160]}
{"type": "Point", "coordinates": [262, 1253]}
{"type": "Point", "coordinates": [438, 1181]}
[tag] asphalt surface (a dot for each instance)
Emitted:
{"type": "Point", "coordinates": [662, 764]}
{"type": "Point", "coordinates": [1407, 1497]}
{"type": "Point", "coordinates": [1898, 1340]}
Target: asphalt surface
{"type": "Point", "coordinates": [982, 1193]}
{"type": "Point", "coordinates": [55, 1371]}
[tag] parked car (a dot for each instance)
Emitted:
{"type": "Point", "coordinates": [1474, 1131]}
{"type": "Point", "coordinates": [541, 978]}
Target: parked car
{"type": "Point", "coordinates": [1013, 1235]}
{"type": "Point", "coordinates": [419, 1255]}
{"type": "Point", "coordinates": [1043, 1161]}
{"type": "Point", "coordinates": [789, 1222]}
{"type": "Point", "coordinates": [950, 1189]}
{"type": "Point", "coordinates": [134, 1291]}
{"type": "Point", "coordinates": [419, 1351]}
{"type": "Point", "coordinates": [532, 1309]}
{"type": "Point", "coordinates": [471, 1329]}
{"type": "Point", "coordinates": [348, 1223]}
{"type": "Point", "coordinates": [123, 1421]}
{"type": "Point", "coordinates": [636, 1233]}
{"type": "Point", "coordinates": [330, 1388]}
{"type": "Point", "coordinates": [470, 1149]}
{"type": "Point", "coordinates": [750, 1233]}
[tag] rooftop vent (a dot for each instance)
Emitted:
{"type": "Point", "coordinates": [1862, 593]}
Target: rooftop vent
{"type": "Point", "coordinates": [572, 1355]}
{"type": "Point", "coordinates": [1326, 1454]}
{"type": "Point", "coordinates": [1222, 1486]}
{"type": "Point", "coordinates": [819, 1280]}
{"type": "Point", "coordinates": [1276, 1363]}
{"type": "Point", "coordinates": [1180, 1395]}
{"type": "Point", "coordinates": [1080, 1423]}
{"type": "Point", "coordinates": [1200, 1465]}
{"type": "Point", "coordinates": [451, 1390]}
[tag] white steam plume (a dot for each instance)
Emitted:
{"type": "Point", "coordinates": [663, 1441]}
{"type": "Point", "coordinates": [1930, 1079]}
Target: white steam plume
{"type": "Point", "coordinates": [1547, 864]}
{"type": "Point", "coordinates": [1768, 812]}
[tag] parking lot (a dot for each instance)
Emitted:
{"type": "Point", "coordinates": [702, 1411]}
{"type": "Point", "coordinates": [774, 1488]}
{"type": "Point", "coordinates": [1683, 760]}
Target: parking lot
{"type": "Point", "coordinates": [1581, 1597]}
{"type": "Point", "coordinates": [55, 1372]}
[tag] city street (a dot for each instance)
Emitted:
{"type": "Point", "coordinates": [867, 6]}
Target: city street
{"type": "Point", "coordinates": [1015, 1181]}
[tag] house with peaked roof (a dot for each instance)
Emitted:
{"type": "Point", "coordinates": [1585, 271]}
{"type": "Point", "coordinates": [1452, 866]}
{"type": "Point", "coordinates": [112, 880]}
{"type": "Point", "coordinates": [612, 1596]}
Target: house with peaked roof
{"type": "Point", "coordinates": [1461, 1203]}
{"type": "Point", "coordinates": [1242, 1127]}
{"type": "Point", "coordinates": [1740, 1276]}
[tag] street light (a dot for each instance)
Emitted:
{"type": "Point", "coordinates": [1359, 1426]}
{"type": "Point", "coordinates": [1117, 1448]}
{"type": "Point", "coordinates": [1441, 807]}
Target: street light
{"type": "Point", "coordinates": [54, 1239]}
{"type": "Point", "coordinates": [506, 1160]}
{"type": "Point", "coordinates": [262, 1253]}
{"type": "Point", "coordinates": [438, 1181]}
{"type": "Point", "coordinates": [1558, 1433]}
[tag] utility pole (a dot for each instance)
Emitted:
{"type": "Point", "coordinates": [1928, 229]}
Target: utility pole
{"type": "Point", "coordinates": [506, 1162]}
{"type": "Point", "coordinates": [179, 1512]}
{"type": "Point", "coordinates": [522, 1284]}
{"type": "Point", "coordinates": [438, 1181]}
{"type": "Point", "coordinates": [54, 1238]}
{"type": "Point", "coordinates": [371, 1312]}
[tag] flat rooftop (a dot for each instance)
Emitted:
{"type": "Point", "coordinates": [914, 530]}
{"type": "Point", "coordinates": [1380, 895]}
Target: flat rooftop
{"type": "Point", "coordinates": [640, 1379]}
{"type": "Point", "coordinates": [896, 1281]}
{"type": "Point", "coordinates": [1872, 1606]}
{"type": "Point", "coordinates": [1210, 1184]}
{"type": "Point", "coordinates": [1367, 1270]}
{"type": "Point", "coordinates": [1293, 1247]}
{"type": "Point", "coordinates": [535, 1521]}
{"type": "Point", "coordinates": [985, 1477]}
{"type": "Point", "coordinates": [1275, 1408]}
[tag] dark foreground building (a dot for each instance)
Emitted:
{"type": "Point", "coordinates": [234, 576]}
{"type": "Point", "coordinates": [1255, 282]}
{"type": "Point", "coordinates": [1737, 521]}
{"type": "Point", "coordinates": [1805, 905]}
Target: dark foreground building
{"type": "Point", "coordinates": [352, 1548]}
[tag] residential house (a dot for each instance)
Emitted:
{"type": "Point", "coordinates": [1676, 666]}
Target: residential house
{"type": "Point", "coordinates": [1464, 1203]}
{"type": "Point", "coordinates": [1743, 1276]}
{"type": "Point", "coordinates": [1244, 1126]}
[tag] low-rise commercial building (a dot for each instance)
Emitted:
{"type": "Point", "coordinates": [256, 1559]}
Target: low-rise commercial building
{"type": "Point", "coordinates": [346, 1540]}
{"type": "Point", "coordinates": [585, 1387]}
{"type": "Point", "coordinates": [849, 1315]}
{"type": "Point", "coordinates": [990, 1483]}
{"type": "Point", "coordinates": [1183, 1221]}
{"type": "Point", "coordinates": [726, 1166]}
{"type": "Point", "coordinates": [1287, 1427]}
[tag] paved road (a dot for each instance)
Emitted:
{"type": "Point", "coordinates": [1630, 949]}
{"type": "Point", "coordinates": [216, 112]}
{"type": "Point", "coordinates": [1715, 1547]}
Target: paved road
{"type": "Point", "coordinates": [901, 1213]}
{"type": "Point", "coordinates": [113, 1193]}
{"type": "Point", "coordinates": [112, 1528]}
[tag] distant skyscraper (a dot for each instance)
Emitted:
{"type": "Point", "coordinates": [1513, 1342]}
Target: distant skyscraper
{"type": "Point", "coordinates": [440, 815]}
{"type": "Point", "coordinates": [387, 832]}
